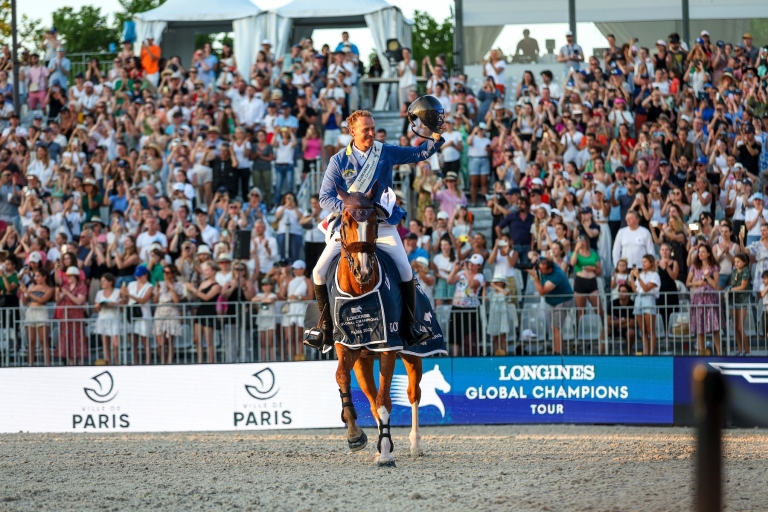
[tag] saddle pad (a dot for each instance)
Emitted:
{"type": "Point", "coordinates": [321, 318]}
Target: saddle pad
{"type": "Point", "coordinates": [380, 330]}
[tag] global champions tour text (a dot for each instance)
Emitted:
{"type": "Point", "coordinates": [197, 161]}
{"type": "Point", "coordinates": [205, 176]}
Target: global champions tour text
{"type": "Point", "coordinates": [547, 372]}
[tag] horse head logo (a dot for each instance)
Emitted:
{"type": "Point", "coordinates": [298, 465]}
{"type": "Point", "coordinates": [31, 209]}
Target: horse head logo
{"type": "Point", "coordinates": [357, 309]}
{"type": "Point", "coordinates": [105, 384]}
{"type": "Point", "coordinates": [431, 382]}
{"type": "Point", "coordinates": [265, 383]}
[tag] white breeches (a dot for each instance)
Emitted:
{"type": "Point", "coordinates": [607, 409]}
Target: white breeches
{"type": "Point", "coordinates": [388, 241]}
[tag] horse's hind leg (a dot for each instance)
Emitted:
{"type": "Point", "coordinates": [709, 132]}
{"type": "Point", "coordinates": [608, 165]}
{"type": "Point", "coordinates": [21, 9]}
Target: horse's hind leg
{"type": "Point", "coordinates": [367, 382]}
{"type": "Point", "coordinates": [356, 439]}
{"type": "Point", "coordinates": [413, 368]}
{"type": "Point", "coordinates": [384, 408]}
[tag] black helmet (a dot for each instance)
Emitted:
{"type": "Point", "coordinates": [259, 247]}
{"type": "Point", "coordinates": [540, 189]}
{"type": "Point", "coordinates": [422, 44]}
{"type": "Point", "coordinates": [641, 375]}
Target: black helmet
{"type": "Point", "coordinates": [429, 110]}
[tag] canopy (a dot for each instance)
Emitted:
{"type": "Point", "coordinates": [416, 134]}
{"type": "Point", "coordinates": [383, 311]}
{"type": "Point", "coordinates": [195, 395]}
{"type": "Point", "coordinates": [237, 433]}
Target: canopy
{"type": "Point", "coordinates": [484, 19]}
{"type": "Point", "coordinates": [175, 23]}
{"type": "Point", "coordinates": [296, 20]}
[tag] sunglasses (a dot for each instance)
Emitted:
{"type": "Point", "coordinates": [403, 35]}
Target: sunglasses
{"type": "Point", "coordinates": [240, 269]}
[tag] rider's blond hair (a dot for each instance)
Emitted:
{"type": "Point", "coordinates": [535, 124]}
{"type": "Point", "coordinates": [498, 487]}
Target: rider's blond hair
{"type": "Point", "coordinates": [357, 114]}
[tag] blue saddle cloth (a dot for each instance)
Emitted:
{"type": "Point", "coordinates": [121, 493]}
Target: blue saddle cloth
{"type": "Point", "coordinates": [373, 320]}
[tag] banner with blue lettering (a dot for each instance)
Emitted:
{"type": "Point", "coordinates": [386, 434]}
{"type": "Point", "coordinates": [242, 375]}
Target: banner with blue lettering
{"type": "Point", "coordinates": [562, 390]}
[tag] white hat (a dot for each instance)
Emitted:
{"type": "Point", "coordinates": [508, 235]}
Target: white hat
{"type": "Point", "coordinates": [73, 271]}
{"type": "Point", "coordinates": [704, 33]}
{"type": "Point", "coordinates": [477, 259]}
{"type": "Point", "coordinates": [422, 261]}
{"type": "Point", "coordinates": [443, 215]}
{"type": "Point", "coordinates": [224, 256]}
{"type": "Point", "coordinates": [266, 41]}
{"type": "Point", "coordinates": [661, 42]}
{"type": "Point", "coordinates": [569, 33]}
{"type": "Point", "coordinates": [35, 257]}
{"type": "Point", "coordinates": [600, 187]}
{"type": "Point", "coordinates": [299, 264]}
{"type": "Point", "coordinates": [203, 249]}
{"type": "Point", "coordinates": [178, 187]}
{"type": "Point", "coordinates": [537, 181]}
{"type": "Point", "coordinates": [555, 211]}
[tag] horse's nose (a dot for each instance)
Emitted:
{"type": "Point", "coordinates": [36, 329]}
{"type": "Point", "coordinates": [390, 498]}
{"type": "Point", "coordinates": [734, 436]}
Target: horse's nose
{"type": "Point", "coordinates": [365, 270]}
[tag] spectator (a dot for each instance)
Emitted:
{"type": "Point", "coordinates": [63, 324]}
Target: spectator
{"type": "Point", "coordinates": [705, 302]}
{"type": "Point", "coordinates": [266, 319]}
{"type": "Point", "coordinates": [296, 290]}
{"type": "Point", "coordinates": [71, 297]}
{"type": "Point", "coordinates": [138, 295]}
{"type": "Point", "coordinates": [289, 231]}
{"type": "Point", "coordinates": [740, 285]}
{"type": "Point", "coordinates": [468, 278]}
{"type": "Point", "coordinates": [646, 285]}
{"type": "Point", "coordinates": [37, 320]}
{"type": "Point", "coordinates": [166, 326]}
{"type": "Point", "coordinates": [479, 165]}
{"type": "Point", "coordinates": [498, 323]}
{"type": "Point", "coordinates": [622, 316]}
{"type": "Point", "coordinates": [314, 239]}
{"type": "Point", "coordinates": [406, 71]}
{"type": "Point", "coordinates": [632, 242]}
{"type": "Point", "coordinates": [59, 67]}
{"type": "Point", "coordinates": [449, 197]}
{"type": "Point", "coordinates": [586, 265]}
{"type": "Point", "coordinates": [553, 285]}
{"type": "Point", "coordinates": [108, 325]}
{"type": "Point", "coordinates": [206, 293]}
{"type": "Point", "coordinates": [284, 144]}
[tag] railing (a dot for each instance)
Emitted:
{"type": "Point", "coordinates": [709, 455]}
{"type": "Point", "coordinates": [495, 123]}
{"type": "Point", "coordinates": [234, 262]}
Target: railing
{"type": "Point", "coordinates": [185, 333]}
{"type": "Point", "coordinates": [80, 61]}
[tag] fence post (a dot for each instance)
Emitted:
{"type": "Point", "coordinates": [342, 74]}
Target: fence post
{"type": "Point", "coordinates": [710, 393]}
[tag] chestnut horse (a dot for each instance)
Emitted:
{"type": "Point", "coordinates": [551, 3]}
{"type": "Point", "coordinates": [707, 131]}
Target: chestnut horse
{"type": "Point", "coordinates": [357, 274]}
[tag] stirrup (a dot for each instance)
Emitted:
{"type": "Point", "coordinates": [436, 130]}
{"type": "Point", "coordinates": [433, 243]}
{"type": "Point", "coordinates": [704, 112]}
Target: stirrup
{"type": "Point", "coordinates": [347, 404]}
{"type": "Point", "coordinates": [419, 332]}
{"type": "Point", "coordinates": [386, 434]}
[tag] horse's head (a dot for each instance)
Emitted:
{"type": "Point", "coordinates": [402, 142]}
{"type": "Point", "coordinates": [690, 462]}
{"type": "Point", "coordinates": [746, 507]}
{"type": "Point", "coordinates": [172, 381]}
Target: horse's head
{"type": "Point", "coordinates": [359, 229]}
{"type": "Point", "coordinates": [436, 379]}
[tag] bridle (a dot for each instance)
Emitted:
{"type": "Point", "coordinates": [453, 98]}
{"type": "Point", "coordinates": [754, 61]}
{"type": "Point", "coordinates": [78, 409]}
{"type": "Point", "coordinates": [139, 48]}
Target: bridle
{"type": "Point", "coordinates": [350, 249]}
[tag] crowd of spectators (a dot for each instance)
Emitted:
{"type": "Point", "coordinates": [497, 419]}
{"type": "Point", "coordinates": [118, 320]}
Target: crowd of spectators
{"type": "Point", "coordinates": [635, 173]}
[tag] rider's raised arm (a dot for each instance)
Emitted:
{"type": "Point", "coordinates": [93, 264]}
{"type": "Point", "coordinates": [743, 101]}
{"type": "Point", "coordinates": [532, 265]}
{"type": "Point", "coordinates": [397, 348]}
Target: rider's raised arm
{"type": "Point", "coordinates": [329, 199]}
{"type": "Point", "coordinates": [411, 154]}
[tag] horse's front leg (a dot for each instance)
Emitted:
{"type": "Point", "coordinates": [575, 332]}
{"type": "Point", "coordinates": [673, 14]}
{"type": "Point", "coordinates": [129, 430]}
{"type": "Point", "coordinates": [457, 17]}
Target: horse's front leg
{"type": "Point", "coordinates": [367, 382]}
{"type": "Point", "coordinates": [356, 438]}
{"type": "Point", "coordinates": [413, 368]}
{"type": "Point", "coordinates": [384, 408]}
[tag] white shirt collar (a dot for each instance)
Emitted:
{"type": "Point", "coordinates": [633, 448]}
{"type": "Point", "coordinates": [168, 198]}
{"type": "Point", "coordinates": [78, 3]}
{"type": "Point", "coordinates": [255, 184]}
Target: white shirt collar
{"type": "Point", "coordinates": [361, 157]}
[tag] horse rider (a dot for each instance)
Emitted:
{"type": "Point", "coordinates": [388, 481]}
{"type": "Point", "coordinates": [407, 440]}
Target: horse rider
{"type": "Point", "coordinates": [354, 169]}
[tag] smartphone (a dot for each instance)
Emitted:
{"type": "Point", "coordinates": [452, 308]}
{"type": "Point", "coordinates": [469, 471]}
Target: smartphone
{"type": "Point", "coordinates": [743, 230]}
{"type": "Point", "coordinates": [655, 223]}
{"type": "Point", "coordinates": [693, 227]}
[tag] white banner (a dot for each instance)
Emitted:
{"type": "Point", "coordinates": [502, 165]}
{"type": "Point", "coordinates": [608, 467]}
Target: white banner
{"type": "Point", "coordinates": [170, 398]}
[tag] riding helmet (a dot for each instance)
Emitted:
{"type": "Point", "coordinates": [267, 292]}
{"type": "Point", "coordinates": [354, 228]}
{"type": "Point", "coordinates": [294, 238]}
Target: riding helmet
{"type": "Point", "coordinates": [429, 110]}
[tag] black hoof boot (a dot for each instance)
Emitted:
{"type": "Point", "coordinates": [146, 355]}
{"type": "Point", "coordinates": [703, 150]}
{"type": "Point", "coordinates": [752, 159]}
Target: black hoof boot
{"type": "Point", "coordinates": [345, 404]}
{"type": "Point", "coordinates": [358, 443]}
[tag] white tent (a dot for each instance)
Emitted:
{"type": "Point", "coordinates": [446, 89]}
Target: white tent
{"type": "Point", "coordinates": [297, 19]}
{"type": "Point", "coordinates": [175, 23]}
{"type": "Point", "coordinates": [484, 19]}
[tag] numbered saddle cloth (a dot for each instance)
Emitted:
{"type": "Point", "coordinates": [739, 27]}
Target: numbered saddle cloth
{"type": "Point", "coordinates": [373, 320]}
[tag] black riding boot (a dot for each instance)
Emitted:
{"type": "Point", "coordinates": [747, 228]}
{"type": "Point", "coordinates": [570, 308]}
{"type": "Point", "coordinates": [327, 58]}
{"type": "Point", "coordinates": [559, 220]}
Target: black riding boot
{"type": "Point", "coordinates": [415, 331]}
{"type": "Point", "coordinates": [326, 326]}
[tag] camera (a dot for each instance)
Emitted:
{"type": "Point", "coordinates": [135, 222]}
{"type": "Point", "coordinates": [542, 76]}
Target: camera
{"type": "Point", "coordinates": [525, 266]}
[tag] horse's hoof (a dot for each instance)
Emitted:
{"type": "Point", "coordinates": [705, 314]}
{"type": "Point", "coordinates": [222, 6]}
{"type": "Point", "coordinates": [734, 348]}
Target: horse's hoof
{"type": "Point", "coordinates": [359, 442]}
{"type": "Point", "coordinates": [389, 464]}
{"type": "Point", "coordinates": [417, 452]}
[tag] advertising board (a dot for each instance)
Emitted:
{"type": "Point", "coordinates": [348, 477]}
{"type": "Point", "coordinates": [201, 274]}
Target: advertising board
{"type": "Point", "coordinates": [305, 395]}
{"type": "Point", "coordinates": [746, 378]}
{"type": "Point", "coordinates": [562, 390]}
{"type": "Point", "coordinates": [169, 398]}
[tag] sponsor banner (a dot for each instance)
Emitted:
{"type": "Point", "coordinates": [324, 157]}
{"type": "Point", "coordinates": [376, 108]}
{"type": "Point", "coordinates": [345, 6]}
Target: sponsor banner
{"type": "Point", "coordinates": [748, 373]}
{"type": "Point", "coordinates": [562, 390]}
{"type": "Point", "coordinates": [170, 398]}
{"type": "Point", "coordinates": [435, 406]}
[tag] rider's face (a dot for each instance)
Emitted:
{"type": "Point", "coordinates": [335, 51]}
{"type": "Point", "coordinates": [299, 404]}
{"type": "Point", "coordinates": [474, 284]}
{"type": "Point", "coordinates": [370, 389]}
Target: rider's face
{"type": "Point", "coordinates": [363, 131]}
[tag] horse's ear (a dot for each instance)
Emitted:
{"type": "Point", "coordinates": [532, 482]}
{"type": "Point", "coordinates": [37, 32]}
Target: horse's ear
{"type": "Point", "coordinates": [437, 367]}
{"type": "Point", "coordinates": [343, 195]}
{"type": "Point", "coordinates": [371, 194]}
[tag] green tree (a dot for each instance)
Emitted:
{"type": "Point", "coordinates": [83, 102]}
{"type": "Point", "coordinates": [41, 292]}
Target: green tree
{"type": "Point", "coordinates": [85, 30]}
{"type": "Point", "coordinates": [30, 32]}
{"type": "Point", "coordinates": [5, 19]}
{"type": "Point", "coordinates": [131, 7]}
{"type": "Point", "coordinates": [431, 38]}
{"type": "Point", "coordinates": [758, 28]}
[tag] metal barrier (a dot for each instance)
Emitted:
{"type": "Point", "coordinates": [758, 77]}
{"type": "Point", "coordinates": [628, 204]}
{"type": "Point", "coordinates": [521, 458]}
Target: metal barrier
{"type": "Point", "coordinates": [187, 333]}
